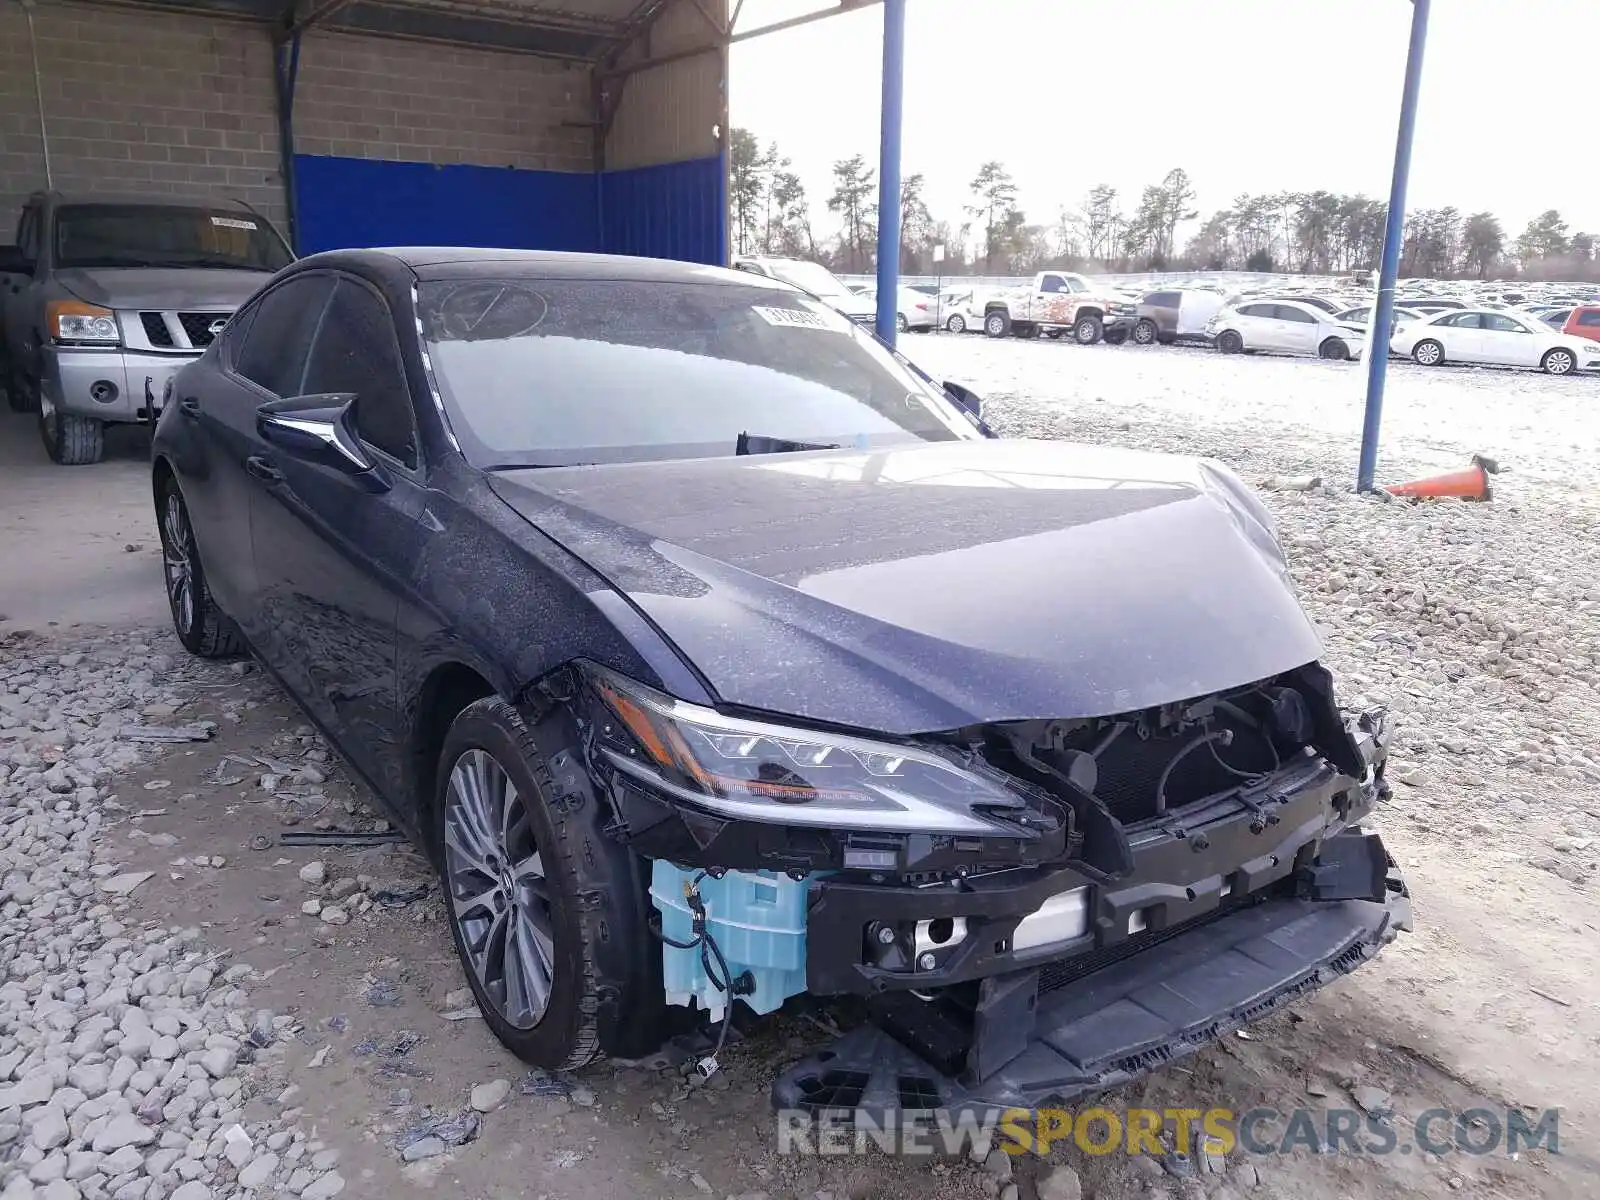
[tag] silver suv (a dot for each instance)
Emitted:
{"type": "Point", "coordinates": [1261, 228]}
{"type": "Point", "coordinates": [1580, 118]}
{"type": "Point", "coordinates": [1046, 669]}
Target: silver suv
{"type": "Point", "coordinates": [103, 299]}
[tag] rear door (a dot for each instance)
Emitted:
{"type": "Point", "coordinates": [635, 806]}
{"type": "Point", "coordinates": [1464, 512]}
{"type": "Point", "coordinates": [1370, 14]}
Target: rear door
{"type": "Point", "coordinates": [333, 557]}
{"type": "Point", "coordinates": [216, 399]}
{"type": "Point", "coordinates": [1462, 336]}
{"type": "Point", "coordinates": [1258, 326]}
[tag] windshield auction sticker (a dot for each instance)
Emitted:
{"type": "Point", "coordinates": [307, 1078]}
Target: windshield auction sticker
{"type": "Point", "coordinates": [232, 223]}
{"type": "Point", "coordinates": [794, 318]}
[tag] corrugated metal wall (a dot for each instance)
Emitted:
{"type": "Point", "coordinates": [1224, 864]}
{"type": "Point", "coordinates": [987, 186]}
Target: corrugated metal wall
{"type": "Point", "coordinates": [664, 188]}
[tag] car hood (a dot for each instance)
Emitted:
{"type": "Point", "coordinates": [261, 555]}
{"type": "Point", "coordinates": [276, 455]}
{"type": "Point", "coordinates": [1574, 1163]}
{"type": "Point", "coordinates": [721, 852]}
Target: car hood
{"type": "Point", "coordinates": [941, 584]}
{"type": "Point", "coordinates": [162, 287]}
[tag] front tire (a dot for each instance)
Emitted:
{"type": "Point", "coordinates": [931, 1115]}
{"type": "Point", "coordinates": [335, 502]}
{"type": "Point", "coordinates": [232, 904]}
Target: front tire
{"type": "Point", "coordinates": [69, 439]}
{"type": "Point", "coordinates": [1229, 341]}
{"type": "Point", "coordinates": [548, 914]}
{"type": "Point", "coordinates": [201, 626]}
{"type": "Point", "coordinates": [1088, 330]}
{"type": "Point", "coordinates": [956, 324]}
{"type": "Point", "coordinates": [1559, 361]}
{"type": "Point", "coordinates": [1428, 353]}
{"type": "Point", "coordinates": [1145, 333]}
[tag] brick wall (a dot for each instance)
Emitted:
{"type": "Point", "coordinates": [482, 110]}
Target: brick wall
{"type": "Point", "coordinates": [163, 104]}
{"type": "Point", "coordinates": [405, 101]}
{"type": "Point", "coordinates": [151, 103]}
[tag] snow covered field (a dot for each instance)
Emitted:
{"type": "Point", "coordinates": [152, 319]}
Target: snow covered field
{"type": "Point", "coordinates": [1266, 414]}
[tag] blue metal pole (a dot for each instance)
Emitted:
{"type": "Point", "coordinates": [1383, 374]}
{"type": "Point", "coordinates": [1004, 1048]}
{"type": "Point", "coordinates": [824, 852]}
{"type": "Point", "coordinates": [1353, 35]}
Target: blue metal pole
{"type": "Point", "coordinates": [894, 56]}
{"type": "Point", "coordinates": [1393, 234]}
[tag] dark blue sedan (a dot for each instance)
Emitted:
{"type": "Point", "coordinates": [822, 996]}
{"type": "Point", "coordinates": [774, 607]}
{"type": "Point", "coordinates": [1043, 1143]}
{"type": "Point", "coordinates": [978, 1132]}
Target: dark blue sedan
{"type": "Point", "coordinates": [712, 652]}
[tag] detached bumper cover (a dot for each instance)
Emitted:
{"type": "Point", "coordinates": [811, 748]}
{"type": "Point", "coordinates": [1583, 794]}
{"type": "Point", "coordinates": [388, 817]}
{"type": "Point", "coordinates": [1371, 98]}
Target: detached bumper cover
{"type": "Point", "coordinates": [1125, 1019]}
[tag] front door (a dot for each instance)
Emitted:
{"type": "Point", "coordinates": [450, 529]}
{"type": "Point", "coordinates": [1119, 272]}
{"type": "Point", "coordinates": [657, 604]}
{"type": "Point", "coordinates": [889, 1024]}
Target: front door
{"type": "Point", "coordinates": [1509, 342]}
{"type": "Point", "coordinates": [329, 551]}
{"type": "Point", "coordinates": [265, 345]}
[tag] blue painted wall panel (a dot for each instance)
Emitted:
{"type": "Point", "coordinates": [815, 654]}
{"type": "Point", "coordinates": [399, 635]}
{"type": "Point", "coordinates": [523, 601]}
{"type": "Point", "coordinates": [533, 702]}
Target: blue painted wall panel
{"type": "Point", "coordinates": [676, 210]}
{"type": "Point", "coordinates": [370, 202]}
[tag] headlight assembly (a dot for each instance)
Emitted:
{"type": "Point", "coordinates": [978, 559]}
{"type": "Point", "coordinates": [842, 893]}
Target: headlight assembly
{"type": "Point", "coordinates": [75, 321]}
{"type": "Point", "coordinates": [753, 770]}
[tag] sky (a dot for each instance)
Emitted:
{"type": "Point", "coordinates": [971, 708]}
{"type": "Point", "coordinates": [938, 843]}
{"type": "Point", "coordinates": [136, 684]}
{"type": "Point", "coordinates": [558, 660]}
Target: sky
{"type": "Point", "coordinates": [1245, 95]}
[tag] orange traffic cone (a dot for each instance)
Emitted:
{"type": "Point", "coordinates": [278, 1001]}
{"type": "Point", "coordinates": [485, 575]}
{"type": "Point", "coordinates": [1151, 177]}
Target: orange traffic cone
{"type": "Point", "coordinates": [1470, 484]}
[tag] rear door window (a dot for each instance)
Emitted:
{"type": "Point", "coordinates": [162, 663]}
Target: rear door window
{"type": "Point", "coordinates": [1589, 318]}
{"type": "Point", "coordinates": [1285, 313]}
{"type": "Point", "coordinates": [279, 338]}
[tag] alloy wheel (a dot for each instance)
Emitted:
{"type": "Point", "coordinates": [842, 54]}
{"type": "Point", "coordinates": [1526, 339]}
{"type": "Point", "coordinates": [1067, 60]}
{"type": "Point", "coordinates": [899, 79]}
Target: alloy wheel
{"type": "Point", "coordinates": [499, 894]}
{"type": "Point", "coordinates": [1558, 362]}
{"type": "Point", "coordinates": [177, 562]}
{"type": "Point", "coordinates": [1144, 333]}
{"type": "Point", "coordinates": [1427, 354]}
{"type": "Point", "coordinates": [956, 325]}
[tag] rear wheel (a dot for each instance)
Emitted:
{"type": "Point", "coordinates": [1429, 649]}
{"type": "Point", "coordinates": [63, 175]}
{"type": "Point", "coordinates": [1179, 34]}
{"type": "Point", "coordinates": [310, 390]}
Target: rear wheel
{"type": "Point", "coordinates": [1335, 349]}
{"type": "Point", "coordinates": [997, 323]}
{"type": "Point", "coordinates": [900, 323]}
{"type": "Point", "coordinates": [201, 626]}
{"type": "Point", "coordinates": [1145, 332]}
{"type": "Point", "coordinates": [1559, 361]}
{"type": "Point", "coordinates": [1229, 341]}
{"type": "Point", "coordinates": [69, 439]}
{"type": "Point", "coordinates": [956, 324]}
{"type": "Point", "coordinates": [1428, 353]}
{"type": "Point", "coordinates": [1088, 329]}
{"type": "Point", "coordinates": [548, 914]}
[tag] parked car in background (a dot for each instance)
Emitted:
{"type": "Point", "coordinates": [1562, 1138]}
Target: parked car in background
{"type": "Point", "coordinates": [814, 278]}
{"type": "Point", "coordinates": [1327, 304]}
{"type": "Point", "coordinates": [1285, 327]}
{"type": "Point", "coordinates": [1490, 338]}
{"type": "Point", "coordinates": [711, 656]}
{"type": "Point", "coordinates": [1363, 316]}
{"type": "Point", "coordinates": [916, 311]}
{"type": "Point", "coordinates": [961, 310]}
{"type": "Point", "coordinates": [1584, 322]}
{"type": "Point", "coordinates": [1556, 317]}
{"type": "Point", "coordinates": [1175, 315]}
{"type": "Point", "coordinates": [1430, 304]}
{"type": "Point", "coordinates": [1059, 300]}
{"type": "Point", "coordinates": [103, 299]}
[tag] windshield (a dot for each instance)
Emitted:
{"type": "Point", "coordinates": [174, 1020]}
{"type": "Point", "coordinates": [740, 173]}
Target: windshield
{"type": "Point", "coordinates": [152, 235]}
{"type": "Point", "coordinates": [813, 277]}
{"type": "Point", "coordinates": [555, 372]}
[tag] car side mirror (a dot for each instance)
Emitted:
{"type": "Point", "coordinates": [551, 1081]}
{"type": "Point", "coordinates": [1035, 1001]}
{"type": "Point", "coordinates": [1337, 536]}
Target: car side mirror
{"type": "Point", "coordinates": [320, 429]}
{"type": "Point", "coordinates": [14, 262]}
{"type": "Point", "coordinates": [966, 399]}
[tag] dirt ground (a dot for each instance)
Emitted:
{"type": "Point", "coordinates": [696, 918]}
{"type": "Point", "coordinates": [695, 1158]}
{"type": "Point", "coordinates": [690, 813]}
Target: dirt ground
{"type": "Point", "coordinates": [1490, 1004]}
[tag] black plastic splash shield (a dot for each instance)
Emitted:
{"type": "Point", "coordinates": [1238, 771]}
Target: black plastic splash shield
{"type": "Point", "coordinates": [1124, 1021]}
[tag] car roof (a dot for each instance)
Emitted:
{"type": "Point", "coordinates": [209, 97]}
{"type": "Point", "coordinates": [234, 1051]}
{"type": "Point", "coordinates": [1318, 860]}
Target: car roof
{"type": "Point", "coordinates": [168, 201]}
{"type": "Point", "coordinates": [466, 262]}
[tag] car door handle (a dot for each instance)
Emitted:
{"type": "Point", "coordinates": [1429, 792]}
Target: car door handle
{"type": "Point", "coordinates": [262, 469]}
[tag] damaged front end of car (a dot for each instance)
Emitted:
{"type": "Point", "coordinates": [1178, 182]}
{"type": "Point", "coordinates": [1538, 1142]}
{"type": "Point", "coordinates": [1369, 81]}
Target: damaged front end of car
{"type": "Point", "coordinates": [1031, 910]}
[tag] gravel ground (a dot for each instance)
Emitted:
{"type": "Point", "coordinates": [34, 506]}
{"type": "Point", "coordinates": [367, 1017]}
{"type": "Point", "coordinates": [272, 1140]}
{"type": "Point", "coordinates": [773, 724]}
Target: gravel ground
{"type": "Point", "coordinates": [192, 1010]}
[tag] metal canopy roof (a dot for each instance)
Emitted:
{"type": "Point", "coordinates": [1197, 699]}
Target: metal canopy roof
{"type": "Point", "coordinates": [592, 31]}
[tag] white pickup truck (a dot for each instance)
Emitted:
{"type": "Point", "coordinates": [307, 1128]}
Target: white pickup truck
{"type": "Point", "coordinates": [1057, 302]}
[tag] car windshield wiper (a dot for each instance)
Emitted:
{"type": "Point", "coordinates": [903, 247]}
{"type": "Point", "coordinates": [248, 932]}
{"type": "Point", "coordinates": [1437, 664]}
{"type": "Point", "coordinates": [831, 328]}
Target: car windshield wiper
{"type": "Point", "coordinates": [755, 443]}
